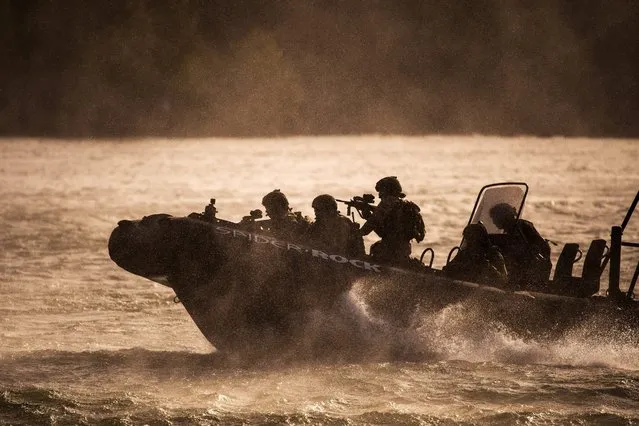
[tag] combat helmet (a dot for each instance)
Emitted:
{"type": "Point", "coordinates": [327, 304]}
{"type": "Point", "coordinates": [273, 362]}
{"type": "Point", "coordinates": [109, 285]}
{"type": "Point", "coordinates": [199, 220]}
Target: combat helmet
{"type": "Point", "coordinates": [503, 214]}
{"type": "Point", "coordinates": [275, 199]}
{"type": "Point", "coordinates": [476, 235]}
{"type": "Point", "coordinates": [390, 185]}
{"type": "Point", "coordinates": [503, 210]}
{"type": "Point", "coordinates": [325, 202]}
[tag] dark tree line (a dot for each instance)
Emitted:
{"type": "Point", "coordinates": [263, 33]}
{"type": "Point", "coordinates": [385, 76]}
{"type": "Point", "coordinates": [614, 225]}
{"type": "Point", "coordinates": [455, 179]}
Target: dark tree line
{"type": "Point", "coordinates": [251, 68]}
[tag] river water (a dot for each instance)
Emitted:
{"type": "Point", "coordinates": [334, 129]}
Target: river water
{"type": "Point", "coordinates": [84, 342]}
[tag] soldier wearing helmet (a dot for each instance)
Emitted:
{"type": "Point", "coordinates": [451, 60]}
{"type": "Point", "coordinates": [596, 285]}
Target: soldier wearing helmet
{"type": "Point", "coordinates": [389, 186]}
{"type": "Point", "coordinates": [282, 222]}
{"type": "Point", "coordinates": [333, 232]}
{"type": "Point", "coordinates": [276, 204]}
{"type": "Point", "coordinates": [477, 259]}
{"type": "Point", "coordinates": [526, 252]}
{"type": "Point", "coordinates": [394, 245]}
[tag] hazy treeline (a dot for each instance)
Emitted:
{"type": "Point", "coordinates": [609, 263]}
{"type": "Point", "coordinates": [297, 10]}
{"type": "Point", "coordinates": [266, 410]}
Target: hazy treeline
{"type": "Point", "coordinates": [251, 68]}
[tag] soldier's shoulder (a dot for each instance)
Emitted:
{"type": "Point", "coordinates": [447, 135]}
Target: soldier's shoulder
{"type": "Point", "coordinates": [525, 224]}
{"type": "Point", "coordinates": [345, 219]}
{"type": "Point", "coordinates": [348, 223]}
{"type": "Point", "coordinates": [410, 203]}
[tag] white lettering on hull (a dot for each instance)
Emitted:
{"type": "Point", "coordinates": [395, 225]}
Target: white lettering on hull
{"type": "Point", "coordinates": [283, 245]}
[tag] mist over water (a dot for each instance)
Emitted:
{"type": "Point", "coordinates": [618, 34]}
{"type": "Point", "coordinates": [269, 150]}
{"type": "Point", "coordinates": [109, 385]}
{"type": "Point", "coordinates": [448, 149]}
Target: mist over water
{"type": "Point", "coordinates": [252, 68]}
{"type": "Point", "coordinates": [83, 341]}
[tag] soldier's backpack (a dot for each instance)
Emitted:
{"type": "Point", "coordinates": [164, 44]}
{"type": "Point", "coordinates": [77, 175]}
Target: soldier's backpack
{"type": "Point", "coordinates": [411, 221]}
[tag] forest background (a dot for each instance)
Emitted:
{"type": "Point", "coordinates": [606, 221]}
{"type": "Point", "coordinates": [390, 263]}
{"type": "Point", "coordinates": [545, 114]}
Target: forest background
{"type": "Point", "coordinates": [246, 68]}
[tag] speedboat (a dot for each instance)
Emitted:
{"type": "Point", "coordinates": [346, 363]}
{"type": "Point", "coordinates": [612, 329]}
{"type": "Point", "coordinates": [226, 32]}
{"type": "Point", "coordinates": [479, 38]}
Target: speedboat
{"type": "Point", "coordinates": [249, 291]}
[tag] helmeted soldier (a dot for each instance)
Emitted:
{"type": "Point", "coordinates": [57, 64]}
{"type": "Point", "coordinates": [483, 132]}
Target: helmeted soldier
{"type": "Point", "coordinates": [333, 232]}
{"type": "Point", "coordinates": [526, 252]}
{"type": "Point", "coordinates": [391, 222]}
{"type": "Point", "coordinates": [282, 222]}
{"type": "Point", "coordinates": [478, 260]}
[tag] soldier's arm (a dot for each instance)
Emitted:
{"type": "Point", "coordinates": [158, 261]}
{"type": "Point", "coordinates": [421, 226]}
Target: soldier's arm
{"type": "Point", "coordinates": [367, 228]}
{"type": "Point", "coordinates": [535, 239]}
{"type": "Point", "coordinates": [376, 219]}
{"type": "Point", "coordinates": [498, 263]}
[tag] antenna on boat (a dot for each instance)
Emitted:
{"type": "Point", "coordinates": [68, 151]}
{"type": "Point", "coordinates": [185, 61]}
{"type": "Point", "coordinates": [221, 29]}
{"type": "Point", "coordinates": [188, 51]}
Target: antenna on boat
{"type": "Point", "coordinates": [616, 242]}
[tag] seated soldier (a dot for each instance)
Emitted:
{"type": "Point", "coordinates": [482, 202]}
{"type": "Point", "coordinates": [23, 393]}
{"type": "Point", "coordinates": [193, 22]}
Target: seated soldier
{"type": "Point", "coordinates": [527, 254]}
{"type": "Point", "coordinates": [282, 222]}
{"type": "Point", "coordinates": [333, 232]}
{"type": "Point", "coordinates": [478, 260]}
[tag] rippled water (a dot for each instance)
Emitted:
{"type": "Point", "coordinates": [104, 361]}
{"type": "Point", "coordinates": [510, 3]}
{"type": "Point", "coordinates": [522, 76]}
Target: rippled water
{"type": "Point", "coordinates": [84, 342]}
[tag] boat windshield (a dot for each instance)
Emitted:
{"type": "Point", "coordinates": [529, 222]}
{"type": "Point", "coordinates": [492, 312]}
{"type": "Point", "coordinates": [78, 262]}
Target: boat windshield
{"type": "Point", "coordinates": [511, 193]}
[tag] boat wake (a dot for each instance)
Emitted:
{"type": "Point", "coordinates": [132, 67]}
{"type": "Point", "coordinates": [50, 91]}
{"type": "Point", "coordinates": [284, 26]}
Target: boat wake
{"type": "Point", "coordinates": [351, 334]}
{"type": "Point", "coordinates": [463, 331]}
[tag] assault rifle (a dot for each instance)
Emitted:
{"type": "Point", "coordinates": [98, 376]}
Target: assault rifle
{"type": "Point", "coordinates": [363, 204]}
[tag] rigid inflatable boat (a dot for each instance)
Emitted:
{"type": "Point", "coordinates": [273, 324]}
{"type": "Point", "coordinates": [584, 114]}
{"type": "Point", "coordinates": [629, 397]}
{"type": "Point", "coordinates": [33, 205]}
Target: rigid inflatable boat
{"type": "Point", "coordinates": [249, 291]}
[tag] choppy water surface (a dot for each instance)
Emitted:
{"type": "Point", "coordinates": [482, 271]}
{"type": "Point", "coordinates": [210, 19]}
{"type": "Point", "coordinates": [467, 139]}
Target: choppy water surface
{"type": "Point", "coordinates": [84, 342]}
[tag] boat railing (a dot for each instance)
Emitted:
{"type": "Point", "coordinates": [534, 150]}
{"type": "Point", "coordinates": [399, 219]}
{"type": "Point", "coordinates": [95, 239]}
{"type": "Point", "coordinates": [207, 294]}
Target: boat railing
{"type": "Point", "coordinates": [432, 256]}
{"type": "Point", "coordinates": [616, 243]}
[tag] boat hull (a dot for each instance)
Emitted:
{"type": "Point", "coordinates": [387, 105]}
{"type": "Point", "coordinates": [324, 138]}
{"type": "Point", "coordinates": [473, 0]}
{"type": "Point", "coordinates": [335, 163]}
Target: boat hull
{"type": "Point", "coordinates": [244, 291]}
{"type": "Point", "coordinates": [254, 293]}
